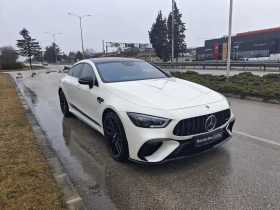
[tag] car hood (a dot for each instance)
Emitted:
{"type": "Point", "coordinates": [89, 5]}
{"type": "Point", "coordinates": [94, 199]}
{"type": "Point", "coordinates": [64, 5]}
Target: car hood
{"type": "Point", "coordinates": [165, 94]}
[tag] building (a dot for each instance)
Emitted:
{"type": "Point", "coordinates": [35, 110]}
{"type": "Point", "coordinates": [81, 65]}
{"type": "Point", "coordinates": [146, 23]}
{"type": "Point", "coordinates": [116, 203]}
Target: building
{"type": "Point", "coordinates": [252, 44]}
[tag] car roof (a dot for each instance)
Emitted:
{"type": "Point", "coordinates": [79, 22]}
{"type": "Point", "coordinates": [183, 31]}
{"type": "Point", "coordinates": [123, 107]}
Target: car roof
{"type": "Point", "coordinates": [112, 59]}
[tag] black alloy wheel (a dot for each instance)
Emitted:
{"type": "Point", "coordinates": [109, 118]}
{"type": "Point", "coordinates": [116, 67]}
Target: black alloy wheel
{"type": "Point", "coordinates": [64, 105]}
{"type": "Point", "coordinates": [115, 137]}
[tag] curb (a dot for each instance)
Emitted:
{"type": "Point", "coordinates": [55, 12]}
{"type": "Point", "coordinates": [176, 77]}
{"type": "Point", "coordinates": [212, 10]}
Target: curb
{"type": "Point", "coordinates": [252, 98]}
{"type": "Point", "coordinates": [72, 198]}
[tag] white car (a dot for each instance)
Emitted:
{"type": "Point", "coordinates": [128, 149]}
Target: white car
{"type": "Point", "coordinates": [145, 114]}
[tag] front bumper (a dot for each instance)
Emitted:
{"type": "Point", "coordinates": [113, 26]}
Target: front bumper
{"type": "Point", "coordinates": [155, 150]}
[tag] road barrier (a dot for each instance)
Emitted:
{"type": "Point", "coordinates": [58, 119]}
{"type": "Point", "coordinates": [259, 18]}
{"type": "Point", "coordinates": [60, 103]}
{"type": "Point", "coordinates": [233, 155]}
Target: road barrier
{"type": "Point", "coordinates": [204, 64]}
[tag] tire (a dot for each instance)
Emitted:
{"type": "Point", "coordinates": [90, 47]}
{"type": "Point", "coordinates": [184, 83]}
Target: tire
{"type": "Point", "coordinates": [115, 137]}
{"type": "Point", "coordinates": [64, 105]}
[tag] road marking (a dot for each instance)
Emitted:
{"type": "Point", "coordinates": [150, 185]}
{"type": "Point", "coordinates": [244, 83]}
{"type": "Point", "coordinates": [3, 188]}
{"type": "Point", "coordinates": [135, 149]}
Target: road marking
{"type": "Point", "coordinates": [258, 138]}
{"type": "Point", "coordinates": [74, 200]}
{"type": "Point", "coordinates": [60, 176]}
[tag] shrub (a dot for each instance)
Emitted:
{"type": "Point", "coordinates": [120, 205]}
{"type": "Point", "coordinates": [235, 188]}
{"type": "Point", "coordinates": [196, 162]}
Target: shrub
{"type": "Point", "coordinates": [243, 84]}
{"type": "Point", "coordinates": [8, 66]}
{"type": "Point", "coordinates": [66, 68]}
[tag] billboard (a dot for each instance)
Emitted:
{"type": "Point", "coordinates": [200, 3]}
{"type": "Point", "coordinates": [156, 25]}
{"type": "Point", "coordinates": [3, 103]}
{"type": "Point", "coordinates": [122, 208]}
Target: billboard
{"type": "Point", "coordinates": [127, 45]}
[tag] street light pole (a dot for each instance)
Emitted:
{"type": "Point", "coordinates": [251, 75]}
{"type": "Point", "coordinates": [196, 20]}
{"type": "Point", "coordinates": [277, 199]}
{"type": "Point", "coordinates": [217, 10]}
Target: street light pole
{"type": "Point", "coordinates": [82, 37]}
{"type": "Point", "coordinates": [229, 40]}
{"type": "Point", "coordinates": [172, 50]}
{"type": "Point", "coordinates": [54, 44]}
{"type": "Point", "coordinates": [80, 17]}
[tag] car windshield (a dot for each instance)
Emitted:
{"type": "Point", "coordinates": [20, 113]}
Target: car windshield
{"type": "Point", "coordinates": [128, 71]}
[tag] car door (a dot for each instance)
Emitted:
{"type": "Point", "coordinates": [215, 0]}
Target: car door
{"type": "Point", "coordinates": [65, 84]}
{"type": "Point", "coordinates": [88, 96]}
{"type": "Point", "coordinates": [73, 86]}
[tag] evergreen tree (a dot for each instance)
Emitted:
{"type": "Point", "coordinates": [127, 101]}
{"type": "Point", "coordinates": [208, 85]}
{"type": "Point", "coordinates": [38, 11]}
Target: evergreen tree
{"type": "Point", "coordinates": [50, 53]}
{"type": "Point", "coordinates": [158, 37]}
{"type": "Point", "coordinates": [79, 56]}
{"type": "Point", "coordinates": [28, 47]}
{"type": "Point", "coordinates": [179, 33]}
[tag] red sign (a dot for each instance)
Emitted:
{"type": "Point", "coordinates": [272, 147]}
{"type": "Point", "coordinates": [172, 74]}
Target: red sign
{"type": "Point", "coordinates": [216, 52]}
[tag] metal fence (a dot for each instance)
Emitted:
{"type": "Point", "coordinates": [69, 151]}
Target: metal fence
{"type": "Point", "coordinates": [216, 64]}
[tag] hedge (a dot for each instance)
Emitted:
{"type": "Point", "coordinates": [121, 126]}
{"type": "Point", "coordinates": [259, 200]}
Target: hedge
{"type": "Point", "coordinates": [243, 84]}
{"type": "Point", "coordinates": [8, 66]}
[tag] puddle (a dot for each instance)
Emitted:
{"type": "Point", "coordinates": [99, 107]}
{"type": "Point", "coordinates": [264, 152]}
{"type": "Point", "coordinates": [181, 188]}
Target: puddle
{"type": "Point", "coordinates": [59, 132]}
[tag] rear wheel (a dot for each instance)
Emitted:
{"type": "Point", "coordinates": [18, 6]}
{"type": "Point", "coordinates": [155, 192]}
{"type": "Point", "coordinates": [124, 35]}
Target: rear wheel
{"type": "Point", "coordinates": [115, 137]}
{"type": "Point", "coordinates": [64, 105]}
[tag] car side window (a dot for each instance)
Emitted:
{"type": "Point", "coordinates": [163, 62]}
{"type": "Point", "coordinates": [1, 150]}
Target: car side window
{"type": "Point", "coordinates": [88, 71]}
{"type": "Point", "coordinates": [70, 72]}
{"type": "Point", "coordinates": [77, 71]}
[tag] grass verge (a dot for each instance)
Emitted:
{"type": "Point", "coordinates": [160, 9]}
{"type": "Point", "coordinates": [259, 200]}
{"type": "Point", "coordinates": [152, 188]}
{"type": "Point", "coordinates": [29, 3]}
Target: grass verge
{"type": "Point", "coordinates": [25, 68]}
{"type": "Point", "coordinates": [243, 84]}
{"type": "Point", "coordinates": [26, 180]}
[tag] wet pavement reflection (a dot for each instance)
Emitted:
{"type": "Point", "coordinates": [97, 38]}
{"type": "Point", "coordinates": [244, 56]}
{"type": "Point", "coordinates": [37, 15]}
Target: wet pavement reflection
{"type": "Point", "coordinates": [234, 176]}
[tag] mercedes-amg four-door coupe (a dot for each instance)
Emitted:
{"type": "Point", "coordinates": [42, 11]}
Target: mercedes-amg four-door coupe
{"type": "Point", "coordinates": [144, 113]}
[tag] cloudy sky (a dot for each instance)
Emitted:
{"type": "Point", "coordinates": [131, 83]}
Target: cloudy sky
{"type": "Point", "coordinates": [128, 20]}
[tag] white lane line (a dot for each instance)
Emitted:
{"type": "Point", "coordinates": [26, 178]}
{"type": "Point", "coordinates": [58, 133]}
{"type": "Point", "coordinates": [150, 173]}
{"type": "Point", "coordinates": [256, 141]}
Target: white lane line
{"type": "Point", "coordinates": [61, 176]}
{"type": "Point", "coordinates": [74, 200]}
{"type": "Point", "coordinates": [258, 138]}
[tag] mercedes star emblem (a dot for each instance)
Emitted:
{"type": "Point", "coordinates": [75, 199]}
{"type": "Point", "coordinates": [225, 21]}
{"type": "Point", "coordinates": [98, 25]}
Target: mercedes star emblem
{"type": "Point", "coordinates": [210, 123]}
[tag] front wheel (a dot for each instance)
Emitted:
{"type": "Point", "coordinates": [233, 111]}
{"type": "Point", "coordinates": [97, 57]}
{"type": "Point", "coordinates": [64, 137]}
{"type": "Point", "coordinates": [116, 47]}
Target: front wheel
{"type": "Point", "coordinates": [115, 137]}
{"type": "Point", "coordinates": [64, 105]}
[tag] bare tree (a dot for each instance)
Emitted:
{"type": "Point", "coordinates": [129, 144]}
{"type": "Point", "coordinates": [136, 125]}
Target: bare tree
{"type": "Point", "coordinates": [9, 54]}
{"type": "Point", "coordinates": [89, 52]}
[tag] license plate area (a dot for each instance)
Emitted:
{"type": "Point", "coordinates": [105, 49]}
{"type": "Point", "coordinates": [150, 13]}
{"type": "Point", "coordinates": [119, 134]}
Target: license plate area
{"type": "Point", "coordinates": [208, 138]}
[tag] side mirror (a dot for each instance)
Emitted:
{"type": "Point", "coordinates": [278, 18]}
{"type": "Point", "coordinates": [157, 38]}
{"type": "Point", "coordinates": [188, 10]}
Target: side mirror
{"type": "Point", "coordinates": [87, 81]}
{"type": "Point", "coordinates": [168, 72]}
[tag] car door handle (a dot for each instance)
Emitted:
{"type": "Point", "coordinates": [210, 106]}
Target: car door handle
{"type": "Point", "coordinates": [78, 86]}
{"type": "Point", "coordinates": [100, 100]}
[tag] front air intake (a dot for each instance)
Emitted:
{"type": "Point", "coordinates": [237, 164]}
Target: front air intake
{"type": "Point", "coordinates": [196, 125]}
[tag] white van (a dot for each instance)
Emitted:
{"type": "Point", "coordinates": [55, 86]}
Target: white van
{"type": "Point", "coordinates": [274, 57]}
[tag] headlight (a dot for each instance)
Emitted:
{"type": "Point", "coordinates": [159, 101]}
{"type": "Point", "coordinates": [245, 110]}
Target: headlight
{"type": "Point", "coordinates": [146, 121]}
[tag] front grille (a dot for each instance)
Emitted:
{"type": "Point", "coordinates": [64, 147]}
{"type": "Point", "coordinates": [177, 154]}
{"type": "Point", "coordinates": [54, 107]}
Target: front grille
{"type": "Point", "coordinates": [196, 125]}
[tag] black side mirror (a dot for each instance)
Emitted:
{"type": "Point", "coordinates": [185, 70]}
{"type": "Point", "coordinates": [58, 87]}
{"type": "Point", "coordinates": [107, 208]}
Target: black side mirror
{"type": "Point", "coordinates": [168, 72]}
{"type": "Point", "coordinates": [87, 81]}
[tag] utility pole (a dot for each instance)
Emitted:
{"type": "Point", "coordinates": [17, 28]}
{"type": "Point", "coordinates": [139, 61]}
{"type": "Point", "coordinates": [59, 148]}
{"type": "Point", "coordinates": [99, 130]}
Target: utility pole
{"type": "Point", "coordinates": [229, 40]}
{"type": "Point", "coordinates": [80, 17]}
{"type": "Point", "coordinates": [103, 46]}
{"type": "Point", "coordinates": [172, 50]}
{"type": "Point", "coordinates": [54, 44]}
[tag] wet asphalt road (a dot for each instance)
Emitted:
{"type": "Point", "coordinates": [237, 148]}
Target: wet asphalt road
{"type": "Point", "coordinates": [242, 174]}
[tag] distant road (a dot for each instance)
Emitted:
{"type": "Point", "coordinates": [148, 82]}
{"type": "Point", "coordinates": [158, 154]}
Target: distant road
{"type": "Point", "coordinates": [221, 72]}
{"type": "Point", "coordinates": [57, 67]}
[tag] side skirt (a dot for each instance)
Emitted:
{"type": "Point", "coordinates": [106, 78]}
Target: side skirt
{"type": "Point", "coordinates": [81, 115]}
